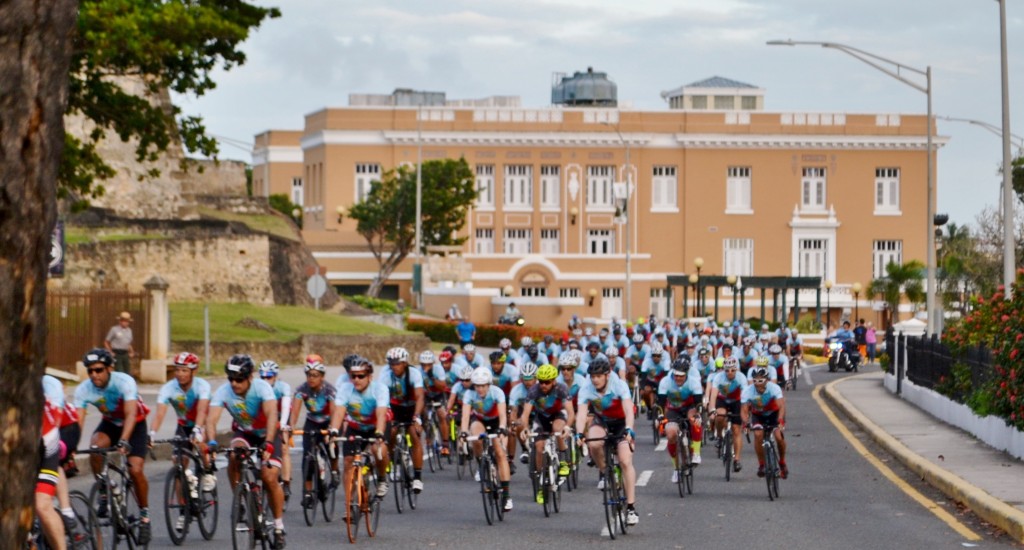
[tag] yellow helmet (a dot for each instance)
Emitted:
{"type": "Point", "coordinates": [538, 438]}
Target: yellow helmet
{"type": "Point", "coordinates": [547, 372]}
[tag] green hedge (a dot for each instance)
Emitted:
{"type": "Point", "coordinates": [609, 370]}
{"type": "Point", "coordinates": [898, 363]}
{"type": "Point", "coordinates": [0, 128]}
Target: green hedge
{"type": "Point", "coordinates": [486, 335]}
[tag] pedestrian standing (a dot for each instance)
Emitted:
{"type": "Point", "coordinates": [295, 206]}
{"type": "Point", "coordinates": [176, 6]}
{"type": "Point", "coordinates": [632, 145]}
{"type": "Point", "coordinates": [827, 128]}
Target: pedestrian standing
{"type": "Point", "coordinates": [119, 342]}
{"type": "Point", "coordinates": [871, 337]}
{"type": "Point", "coordinates": [466, 332]}
{"type": "Point", "coordinates": [858, 337]}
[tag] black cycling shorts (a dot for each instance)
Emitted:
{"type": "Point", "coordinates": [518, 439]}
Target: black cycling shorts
{"type": "Point", "coordinates": [678, 416]}
{"type": "Point", "coordinates": [732, 408]}
{"type": "Point", "coordinates": [254, 440]}
{"type": "Point", "coordinates": [138, 439]}
{"type": "Point", "coordinates": [71, 435]}
{"type": "Point", "coordinates": [544, 424]}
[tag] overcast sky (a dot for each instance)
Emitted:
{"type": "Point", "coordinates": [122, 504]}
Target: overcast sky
{"type": "Point", "coordinates": [319, 51]}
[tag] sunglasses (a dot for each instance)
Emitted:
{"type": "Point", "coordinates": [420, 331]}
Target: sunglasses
{"type": "Point", "coordinates": [237, 379]}
{"type": "Point", "coordinates": [482, 385]}
{"type": "Point", "coordinates": [546, 382]}
{"type": "Point", "coordinates": [358, 376]}
{"type": "Point", "coordinates": [96, 371]}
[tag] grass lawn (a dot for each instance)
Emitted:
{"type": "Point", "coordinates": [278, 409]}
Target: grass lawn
{"type": "Point", "coordinates": [259, 222]}
{"type": "Point", "coordinates": [79, 235]}
{"type": "Point", "coordinates": [289, 321]}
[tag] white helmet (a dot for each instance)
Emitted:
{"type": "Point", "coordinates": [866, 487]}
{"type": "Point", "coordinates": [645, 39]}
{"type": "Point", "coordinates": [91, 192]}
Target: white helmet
{"type": "Point", "coordinates": [269, 368]}
{"type": "Point", "coordinates": [470, 348]}
{"type": "Point", "coordinates": [427, 358]}
{"type": "Point", "coordinates": [569, 358]}
{"type": "Point", "coordinates": [465, 373]}
{"type": "Point", "coordinates": [505, 343]}
{"type": "Point", "coordinates": [481, 376]}
{"type": "Point", "coordinates": [774, 349]}
{"type": "Point", "coordinates": [657, 349]}
{"type": "Point", "coordinates": [397, 355]}
{"type": "Point", "coordinates": [525, 341]}
{"type": "Point", "coordinates": [612, 351]}
{"type": "Point", "coordinates": [528, 371]}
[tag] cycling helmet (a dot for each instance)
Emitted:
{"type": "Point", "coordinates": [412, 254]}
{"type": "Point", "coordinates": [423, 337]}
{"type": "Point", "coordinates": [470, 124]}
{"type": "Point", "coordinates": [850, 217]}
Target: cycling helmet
{"type": "Point", "coordinates": [577, 332]}
{"type": "Point", "coordinates": [427, 358]}
{"type": "Point", "coordinates": [240, 364]}
{"type": "Point", "coordinates": [763, 336]}
{"type": "Point", "coordinates": [470, 348]}
{"type": "Point", "coordinates": [532, 351]}
{"type": "Point", "coordinates": [445, 357]}
{"type": "Point", "coordinates": [588, 331]}
{"type": "Point", "coordinates": [761, 361]}
{"type": "Point", "coordinates": [524, 341]}
{"type": "Point", "coordinates": [98, 355]}
{"type": "Point", "coordinates": [398, 355]}
{"type": "Point", "coordinates": [569, 359]}
{"type": "Point", "coordinates": [748, 341]}
{"type": "Point", "coordinates": [315, 362]}
{"type": "Point", "coordinates": [529, 371]}
{"type": "Point", "coordinates": [481, 376]}
{"type": "Point", "coordinates": [360, 364]}
{"type": "Point", "coordinates": [268, 368]}
{"type": "Point", "coordinates": [638, 338]}
{"type": "Point", "coordinates": [681, 365]}
{"type": "Point", "coordinates": [186, 359]}
{"type": "Point", "coordinates": [496, 357]}
{"type": "Point", "coordinates": [350, 360]}
{"type": "Point", "coordinates": [547, 372]}
{"type": "Point", "coordinates": [703, 351]}
{"type": "Point", "coordinates": [572, 344]}
{"type": "Point", "coordinates": [730, 363]}
{"type": "Point", "coordinates": [450, 349]}
{"type": "Point", "coordinates": [794, 331]}
{"type": "Point", "coordinates": [593, 345]}
{"type": "Point", "coordinates": [720, 362]}
{"type": "Point", "coordinates": [548, 338]}
{"type": "Point", "coordinates": [465, 372]}
{"type": "Point", "coordinates": [599, 366]}
{"type": "Point", "coordinates": [505, 343]}
{"type": "Point", "coordinates": [759, 372]}
{"type": "Point", "coordinates": [657, 349]}
{"type": "Point", "coordinates": [775, 349]}
{"type": "Point", "coordinates": [603, 332]}
{"type": "Point", "coordinates": [612, 351]}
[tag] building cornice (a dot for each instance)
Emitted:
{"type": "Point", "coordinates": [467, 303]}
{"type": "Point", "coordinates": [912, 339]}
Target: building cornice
{"type": "Point", "coordinates": [787, 141]}
{"type": "Point", "coordinates": [276, 153]}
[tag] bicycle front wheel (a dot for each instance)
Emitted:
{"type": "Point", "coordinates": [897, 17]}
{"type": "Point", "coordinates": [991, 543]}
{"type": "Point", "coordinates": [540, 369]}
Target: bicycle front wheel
{"type": "Point", "coordinates": [208, 510]}
{"type": "Point", "coordinates": [727, 453]}
{"type": "Point", "coordinates": [682, 465]}
{"type": "Point", "coordinates": [353, 503]}
{"type": "Point", "coordinates": [310, 475]}
{"type": "Point", "coordinates": [544, 482]}
{"type": "Point", "coordinates": [611, 501]}
{"type": "Point", "coordinates": [771, 470]}
{"type": "Point", "coordinates": [87, 522]}
{"type": "Point", "coordinates": [398, 474]}
{"type": "Point", "coordinates": [485, 490]}
{"type": "Point", "coordinates": [243, 515]}
{"type": "Point", "coordinates": [176, 505]}
{"type": "Point", "coordinates": [101, 503]}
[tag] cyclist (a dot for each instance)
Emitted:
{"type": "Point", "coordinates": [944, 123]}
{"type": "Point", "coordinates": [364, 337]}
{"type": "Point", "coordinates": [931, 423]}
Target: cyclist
{"type": "Point", "coordinates": [611, 405]}
{"type": "Point", "coordinates": [679, 395]}
{"type": "Point", "coordinates": [470, 357]}
{"type": "Point", "coordinates": [724, 391]}
{"type": "Point", "coordinates": [617, 363]}
{"type": "Point", "coordinates": [405, 386]}
{"type": "Point", "coordinates": [764, 408]}
{"type": "Point", "coordinates": [506, 377]}
{"type": "Point", "coordinates": [747, 354]}
{"type": "Point", "coordinates": [54, 524]}
{"type": "Point", "coordinates": [484, 409]}
{"type": "Point", "coordinates": [343, 378]}
{"type": "Point", "coordinates": [554, 416]}
{"type": "Point", "coordinates": [505, 345]}
{"type": "Point", "coordinates": [318, 397]}
{"type": "Point", "coordinates": [435, 385]}
{"type": "Point", "coordinates": [549, 349]}
{"type": "Point", "coordinates": [269, 371]}
{"type": "Point", "coordinates": [524, 344]}
{"type": "Point", "coordinates": [654, 368]}
{"type": "Point", "coordinates": [363, 405]}
{"type": "Point", "coordinates": [778, 364]}
{"type": "Point", "coordinates": [593, 351]}
{"type": "Point", "coordinates": [123, 423]}
{"type": "Point", "coordinates": [617, 340]}
{"type": "Point", "coordinates": [760, 362]}
{"type": "Point", "coordinates": [462, 385]}
{"type": "Point", "coordinates": [253, 406]}
{"type": "Point", "coordinates": [516, 398]}
{"type": "Point", "coordinates": [189, 396]}
{"type": "Point", "coordinates": [568, 365]}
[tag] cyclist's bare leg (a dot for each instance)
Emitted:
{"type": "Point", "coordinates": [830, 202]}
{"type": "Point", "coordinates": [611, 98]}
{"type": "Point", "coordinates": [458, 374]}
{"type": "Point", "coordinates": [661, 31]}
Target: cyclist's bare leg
{"type": "Point", "coordinates": [416, 434]}
{"type": "Point", "coordinates": [135, 470]}
{"type": "Point", "coordinates": [50, 520]}
{"type": "Point", "coordinates": [269, 475]}
{"type": "Point", "coordinates": [758, 449]}
{"type": "Point", "coordinates": [96, 461]}
{"type": "Point", "coordinates": [628, 471]}
{"type": "Point", "coordinates": [557, 426]}
{"type": "Point", "coordinates": [504, 473]}
{"type": "Point", "coordinates": [597, 447]}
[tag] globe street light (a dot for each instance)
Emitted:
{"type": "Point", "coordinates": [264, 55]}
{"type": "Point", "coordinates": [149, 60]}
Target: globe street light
{"type": "Point", "coordinates": [731, 279]}
{"type": "Point", "coordinates": [896, 70]}
{"type": "Point", "coordinates": [693, 281]}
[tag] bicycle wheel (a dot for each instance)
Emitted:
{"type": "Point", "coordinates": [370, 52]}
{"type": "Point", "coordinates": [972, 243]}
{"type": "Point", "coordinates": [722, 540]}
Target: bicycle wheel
{"type": "Point", "coordinates": [410, 496]}
{"type": "Point", "coordinates": [794, 372]}
{"type": "Point", "coordinates": [531, 454]}
{"type": "Point", "coordinates": [687, 460]}
{"type": "Point", "coordinates": [208, 510]}
{"type": "Point", "coordinates": [105, 524]}
{"type": "Point", "coordinates": [771, 470]}
{"type": "Point", "coordinates": [438, 444]}
{"type": "Point", "coordinates": [655, 424]}
{"type": "Point", "coordinates": [461, 462]}
{"type": "Point", "coordinates": [370, 502]}
{"type": "Point", "coordinates": [544, 482]}
{"type": "Point", "coordinates": [86, 518]}
{"type": "Point", "coordinates": [496, 492]}
{"type": "Point", "coordinates": [556, 486]}
{"type": "Point", "coordinates": [311, 475]}
{"type": "Point", "coordinates": [397, 475]}
{"type": "Point", "coordinates": [353, 503]}
{"type": "Point", "coordinates": [329, 503]}
{"type": "Point", "coordinates": [243, 513]}
{"type": "Point", "coordinates": [611, 500]}
{"type": "Point", "coordinates": [682, 463]}
{"type": "Point", "coordinates": [131, 515]}
{"type": "Point", "coordinates": [574, 466]}
{"type": "Point", "coordinates": [485, 489]}
{"type": "Point", "coordinates": [727, 453]}
{"type": "Point", "coordinates": [176, 505]}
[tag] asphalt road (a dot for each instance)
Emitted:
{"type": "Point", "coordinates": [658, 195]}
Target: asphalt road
{"type": "Point", "coordinates": [833, 499]}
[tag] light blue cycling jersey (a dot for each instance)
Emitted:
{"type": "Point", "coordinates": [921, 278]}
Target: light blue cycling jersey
{"type": "Point", "coordinates": [508, 378]}
{"type": "Point", "coordinates": [766, 402]}
{"type": "Point", "coordinates": [110, 399]}
{"type": "Point", "coordinates": [317, 403]}
{"type": "Point", "coordinates": [342, 381]}
{"type": "Point", "coordinates": [653, 370]}
{"type": "Point", "coordinates": [184, 403]}
{"type": "Point", "coordinates": [246, 410]}
{"type": "Point", "coordinates": [362, 407]}
{"type": "Point", "coordinates": [608, 404]}
{"type": "Point", "coordinates": [485, 407]}
{"type": "Point", "coordinates": [432, 376]}
{"type": "Point", "coordinates": [687, 395]}
{"type": "Point", "coordinates": [402, 388]}
{"type": "Point", "coordinates": [476, 362]}
{"type": "Point", "coordinates": [729, 390]}
{"type": "Point", "coordinates": [772, 375]}
{"type": "Point", "coordinates": [585, 360]}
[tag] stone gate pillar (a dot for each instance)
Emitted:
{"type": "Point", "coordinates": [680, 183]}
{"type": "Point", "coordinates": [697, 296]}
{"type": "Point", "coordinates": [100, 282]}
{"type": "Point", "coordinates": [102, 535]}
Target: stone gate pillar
{"type": "Point", "coordinates": [154, 367]}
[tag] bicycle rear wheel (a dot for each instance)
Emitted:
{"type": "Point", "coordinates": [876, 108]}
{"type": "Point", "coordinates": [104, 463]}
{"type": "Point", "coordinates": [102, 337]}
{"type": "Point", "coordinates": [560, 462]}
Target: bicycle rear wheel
{"type": "Point", "coordinates": [310, 497]}
{"type": "Point", "coordinates": [105, 524]}
{"type": "Point", "coordinates": [727, 453]}
{"type": "Point", "coordinates": [410, 496]}
{"type": "Point", "coordinates": [243, 514]}
{"type": "Point", "coordinates": [132, 517]}
{"type": "Point", "coordinates": [86, 518]}
{"type": "Point", "coordinates": [208, 510]}
{"type": "Point", "coordinates": [176, 505]}
{"type": "Point", "coordinates": [370, 501]}
{"type": "Point", "coordinates": [496, 491]}
{"type": "Point", "coordinates": [655, 427]}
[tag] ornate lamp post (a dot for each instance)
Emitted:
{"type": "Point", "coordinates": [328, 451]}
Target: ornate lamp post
{"type": "Point", "coordinates": [856, 302]}
{"type": "Point", "coordinates": [731, 279]}
{"type": "Point", "coordinates": [828, 305]}
{"type": "Point", "coordinates": [694, 278]}
{"type": "Point", "coordinates": [698, 263]}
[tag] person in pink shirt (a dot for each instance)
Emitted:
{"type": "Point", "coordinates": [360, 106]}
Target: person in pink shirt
{"type": "Point", "coordinates": [871, 338]}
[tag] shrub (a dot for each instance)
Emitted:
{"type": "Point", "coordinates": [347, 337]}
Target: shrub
{"type": "Point", "coordinates": [283, 204]}
{"type": "Point", "coordinates": [486, 334]}
{"type": "Point", "coordinates": [884, 361]}
{"type": "Point", "coordinates": [378, 305]}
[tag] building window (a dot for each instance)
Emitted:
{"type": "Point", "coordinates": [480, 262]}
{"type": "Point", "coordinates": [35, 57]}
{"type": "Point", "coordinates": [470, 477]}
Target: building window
{"type": "Point", "coordinates": [366, 174]}
{"type": "Point", "coordinates": [660, 305]}
{"type": "Point", "coordinates": [812, 195]}
{"type": "Point", "coordinates": [663, 188]}
{"type": "Point", "coordinates": [533, 292]}
{"type": "Point", "coordinates": [884, 253]}
{"type": "Point", "coordinates": [611, 303]}
{"type": "Point", "coordinates": [739, 256]}
{"type": "Point", "coordinates": [699, 101]}
{"type": "Point", "coordinates": [725, 102]}
{"type": "Point", "coordinates": [550, 184]}
{"type": "Point", "coordinates": [599, 186]}
{"type": "Point", "coordinates": [887, 190]}
{"type": "Point", "coordinates": [569, 292]}
{"type": "Point", "coordinates": [518, 241]}
{"type": "Point", "coordinates": [813, 258]}
{"type": "Point", "coordinates": [519, 186]}
{"type": "Point", "coordinates": [737, 190]}
{"type": "Point", "coordinates": [297, 191]}
{"type": "Point", "coordinates": [600, 241]}
{"type": "Point", "coordinates": [485, 186]}
{"type": "Point", "coordinates": [748, 102]}
{"type": "Point", "coordinates": [549, 241]}
{"type": "Point", "coordinates": [485, 241]}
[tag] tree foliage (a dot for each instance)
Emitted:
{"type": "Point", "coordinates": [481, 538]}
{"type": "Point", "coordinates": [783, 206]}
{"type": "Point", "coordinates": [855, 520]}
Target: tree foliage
{"type": "Point", "coordinates": [386, 218]}
{"type": "Point", "coordinates": [1017, 176]}
{"type": "Point", "coordinates": [899, 280]}
{"type": "Point", "coordinates": [165, 45]}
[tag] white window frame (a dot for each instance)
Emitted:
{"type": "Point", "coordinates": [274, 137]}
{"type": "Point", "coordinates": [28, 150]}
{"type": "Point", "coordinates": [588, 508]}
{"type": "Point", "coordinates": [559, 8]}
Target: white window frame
{"type": "Point", "coordinates": [611, 302]}
{"type": "Point", "coordinates": [518, 187]}
{"type": "Point", "coordinates": [549, 242]}
{"type": "Point", "coordinates": [883, 252]}
{"type": "Point", "coordinates": [599, 188]}
{"type": "Point", "coordinates": [533, 291]}
{"type": "Point", "coordinates": [809, 263]}
{"type": "Point", "coordinates": [518, 242]}
{"type": "Point", "coordinates": [600, 242]}
{"type": "Point", "coordinates": [738, 257]}
{"type": "Point", "coordinates": [366, 174]}
{"type": "Point", "coordinates": [657, 303]}
{"type": "Point", "coordinates": [738, 197]}
{"type": "Point", "coordinates": [297, 192]}
{"type": "Point", "coordinates": [485, 187]}
{"type": "Point", "coordinates": [484, 241]}
{"type": "Point", "coordinates": [813, 189]}
{"type": "Point", "coordinates": [887, 192]}
{"type": "Point", "coordinates": [725, 102]}
{"type": "Point", "coordinates": [550, 187]}
{"type": "Point", "coordinates": [664, 184]}
{"type": "Point", "coordinates": [571, 292]}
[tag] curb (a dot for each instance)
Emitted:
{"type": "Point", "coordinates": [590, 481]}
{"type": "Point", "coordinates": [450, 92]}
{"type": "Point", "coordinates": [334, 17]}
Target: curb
{"type": "Point", "coordinates": [988, 507]}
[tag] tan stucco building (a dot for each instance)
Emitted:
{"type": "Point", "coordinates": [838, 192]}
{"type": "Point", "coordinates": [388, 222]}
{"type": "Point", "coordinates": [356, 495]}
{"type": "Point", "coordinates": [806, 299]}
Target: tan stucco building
{"type": "Point", "coordinates": [832, 195]}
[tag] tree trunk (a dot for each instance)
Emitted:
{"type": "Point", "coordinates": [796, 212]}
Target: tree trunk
{"type": "Point", "coordinates": [387, 267]}
{"type": "Point", "coordinates": [35, 47]}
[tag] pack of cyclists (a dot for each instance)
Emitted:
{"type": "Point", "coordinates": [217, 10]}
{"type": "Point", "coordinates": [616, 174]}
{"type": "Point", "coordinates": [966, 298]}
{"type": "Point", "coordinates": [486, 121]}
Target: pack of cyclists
{"type": "Point", "coordinates": [588, 390]}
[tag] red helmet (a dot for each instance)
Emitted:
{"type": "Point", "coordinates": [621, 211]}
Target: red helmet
{"type": "Point", "coordinates": [445, 356]}
{"type": "Point", "coordinates": [186, 359]}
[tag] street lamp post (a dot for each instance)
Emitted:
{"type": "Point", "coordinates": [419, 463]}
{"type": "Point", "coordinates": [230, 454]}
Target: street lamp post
{"type": "Point", "coordinates": [694, 278]}
{"type": "Point", "coordinates": [1019, 142]}
{"type": "Point", "coordinates": [894, 69]}
{"type": "Point", "coordinates": [856, 302]}
{"type": "Point", "coordinates": [698, 263]}
{"type": "Point", "coordinates": [625, 213]}
{"type": "Point", "coordinates": [828, 305]}
{"type": "Point", "coordinates": [731, 279]}
{"type": "Point", "coordinates": [1009, 253]}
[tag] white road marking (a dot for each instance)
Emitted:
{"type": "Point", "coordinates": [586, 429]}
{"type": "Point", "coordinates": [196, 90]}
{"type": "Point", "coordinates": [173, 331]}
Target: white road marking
{"type": "Point", "coordinates": [604, 531]}
{"type": "Point", "coordinates": [644, 478]}
{"type": "Point", "coordinates": [807, 377]}
{"type": "Point", "coordinates": [662, 445]}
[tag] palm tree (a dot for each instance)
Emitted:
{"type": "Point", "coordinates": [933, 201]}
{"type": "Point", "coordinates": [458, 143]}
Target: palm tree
{"type": "Point", "coordinates": [899, 280]}
{"type": "Point", "coordinates": [956, 265]}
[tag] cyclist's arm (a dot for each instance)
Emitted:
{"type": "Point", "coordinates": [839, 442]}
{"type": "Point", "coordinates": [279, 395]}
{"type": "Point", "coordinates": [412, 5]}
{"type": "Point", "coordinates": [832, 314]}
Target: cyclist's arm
{"type": "Point", "coordinates": [270, 412]}
{"type": "Point", "coordinates": [382, 419]}
{"type": "Point", "coordinates": [745, 413]}
{"type": "Point", "coordinates": [630, 417]}
{"type": "Point", "coordinates": [571, 413]}
{"type": "Point", "coordinates": [712, 394]}
{"type": "Point", "coordinates": [503, 416]}
{"type": "Point", "coordinates": [81, 418]}
{"type": "Point", "coordinates": [451, 400]}
{"type": "Point", "coordinates": [161, 412]}
{"type": "Point", "coordinates": [202, 410]}
{"type": "Point", "coordinates": [782, 410]}
{"type": "Point", "coordinates": [131, 407]}
{"type": "Point", "coordinates": [211, 422]}
{"type": "Point", "coordinates": [464, 425]}
{"type": "Point", "coordinates": [418, 411]}
{"type": "Point", "coordinates": [337, 415]}
{"type": "Point", "coordinates": [527, 409]}
{"type": "Point", "coordinates": [293, 415]}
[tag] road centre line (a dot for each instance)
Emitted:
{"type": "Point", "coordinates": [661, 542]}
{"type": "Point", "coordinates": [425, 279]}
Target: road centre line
{"type": "Point", "coordinates": [662, 445]}
{"type": "Point", "coordinates": [645, 477]}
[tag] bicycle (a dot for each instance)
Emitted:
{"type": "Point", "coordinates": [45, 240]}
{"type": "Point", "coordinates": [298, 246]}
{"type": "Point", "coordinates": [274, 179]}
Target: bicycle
{"type": "Point", "coordinates": [113, 499]}
{"type": "Point", "coordinates": [432, 438]}
{"type": "Point", "coordinates": [725, 446]}
{"type": "Point", "coordinates": [490, 486]}
{"type": "Point", "coordinates": [772, 470]}
{"type": "Point", "coordinates": [86, 520]}
{"type": "Point", "coordinates": [185, 499]}
{"type": "Point", "coordinates": [361, 500]}
{"type": "Point", "coordinates": [464, 463]}
{"type": "Point", "coordinates": [250, 504]}
{"type": "Point", "coordinates": [684, 466]}
{"type": "Point", "coordinates": [315, 471]}
{"type": "Point", "coordinates": [572, 456]}
{"type": "Point", "coordinates": [794, 372]}
{"type": "Point", "coordinates": [401, 467]}
{"type": "Point", "coordinates": [613, 495]}
{"type": "Point", "coordinates": [548, 483]}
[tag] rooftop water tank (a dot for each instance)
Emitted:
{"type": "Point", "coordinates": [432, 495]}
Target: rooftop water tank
{"type": "Point", "coordinates": [591, 89]}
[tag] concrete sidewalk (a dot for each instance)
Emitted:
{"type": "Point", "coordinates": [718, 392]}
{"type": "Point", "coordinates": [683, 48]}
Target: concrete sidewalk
{"type": "Point", "coordinates": [987, 481]}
